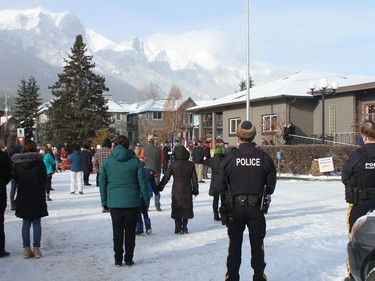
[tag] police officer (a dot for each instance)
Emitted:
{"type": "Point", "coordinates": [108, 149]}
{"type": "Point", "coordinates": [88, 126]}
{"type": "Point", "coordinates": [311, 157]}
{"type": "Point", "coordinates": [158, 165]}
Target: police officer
{"type": "Point", "coordinates": [245, 172]}
{"type": "Point", "coordinates": [358, 176]}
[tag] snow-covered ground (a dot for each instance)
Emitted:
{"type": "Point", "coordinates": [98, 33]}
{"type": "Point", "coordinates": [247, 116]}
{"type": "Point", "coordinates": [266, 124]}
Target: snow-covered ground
{"type": "Point", "coordinates": [306, 239]}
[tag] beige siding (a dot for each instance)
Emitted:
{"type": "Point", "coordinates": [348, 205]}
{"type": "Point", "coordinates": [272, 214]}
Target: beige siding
{"type": "Point", "coordinates": [343, 118]}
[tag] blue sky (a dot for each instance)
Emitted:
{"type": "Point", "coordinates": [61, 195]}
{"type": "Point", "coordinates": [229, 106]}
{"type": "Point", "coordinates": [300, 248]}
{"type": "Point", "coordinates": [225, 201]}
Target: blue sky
{"type": "Point", "coordinates": [285, 35]}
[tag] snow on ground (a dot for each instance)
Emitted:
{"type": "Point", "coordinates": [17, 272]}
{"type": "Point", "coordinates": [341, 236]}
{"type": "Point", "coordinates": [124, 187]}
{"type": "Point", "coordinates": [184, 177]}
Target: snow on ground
{"type": "Point", "coordinates": [306, 239]}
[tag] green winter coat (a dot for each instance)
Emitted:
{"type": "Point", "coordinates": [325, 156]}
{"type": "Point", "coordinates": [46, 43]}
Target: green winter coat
{"type": "Point", "coordinates": [123, 180]}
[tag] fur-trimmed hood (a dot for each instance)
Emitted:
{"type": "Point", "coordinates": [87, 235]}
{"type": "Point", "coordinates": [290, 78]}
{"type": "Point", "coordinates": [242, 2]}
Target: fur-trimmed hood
{"type": "Point", "coordinates": [27, 157]}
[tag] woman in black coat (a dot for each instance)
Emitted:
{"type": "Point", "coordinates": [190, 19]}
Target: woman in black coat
{"type": "Point", "coordinates": [30, 174]}
{"type": "Point", "coordinates": [214, 164]}
{"type": "Point", "coordinates": [185, 185]}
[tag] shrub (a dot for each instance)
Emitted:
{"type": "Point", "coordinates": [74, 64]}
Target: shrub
{"type": "Point", "coordinates": [297, 159]}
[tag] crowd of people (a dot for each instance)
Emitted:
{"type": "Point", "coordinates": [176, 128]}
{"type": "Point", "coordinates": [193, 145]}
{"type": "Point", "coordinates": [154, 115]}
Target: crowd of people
{"type": "Point", "coordinates": [128, 178]}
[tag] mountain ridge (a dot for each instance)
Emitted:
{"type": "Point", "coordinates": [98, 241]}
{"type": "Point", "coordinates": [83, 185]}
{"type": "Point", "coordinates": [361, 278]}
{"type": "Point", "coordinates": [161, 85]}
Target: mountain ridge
{"type": "Point", "coordinates": [35, 42]}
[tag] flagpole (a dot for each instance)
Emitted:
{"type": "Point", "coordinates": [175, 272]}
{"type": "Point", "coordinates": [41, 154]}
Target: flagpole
{"type": "Point", "coordinates": [248, 63]}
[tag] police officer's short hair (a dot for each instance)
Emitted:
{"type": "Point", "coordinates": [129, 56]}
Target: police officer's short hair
{"type": "Point", "coordinates": [246, 131]}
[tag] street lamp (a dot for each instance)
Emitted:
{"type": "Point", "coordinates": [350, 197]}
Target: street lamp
{"type": "Point", "coordinates": [323, 89]}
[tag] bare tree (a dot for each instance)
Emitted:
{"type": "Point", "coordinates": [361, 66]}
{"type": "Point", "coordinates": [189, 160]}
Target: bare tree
{"type": "Point", "coordinates": [173, 114]}
{"type": "Point", "coordinates": [150, 91]}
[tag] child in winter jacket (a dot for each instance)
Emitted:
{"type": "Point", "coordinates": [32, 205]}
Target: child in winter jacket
{"type": "Point", "coordinates": [152, 188]}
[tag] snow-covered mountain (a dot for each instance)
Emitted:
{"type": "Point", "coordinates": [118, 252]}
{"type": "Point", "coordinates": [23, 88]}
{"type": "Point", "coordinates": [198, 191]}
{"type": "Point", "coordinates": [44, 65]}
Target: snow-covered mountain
{"type": "Point", "coordinates": [35, 42]}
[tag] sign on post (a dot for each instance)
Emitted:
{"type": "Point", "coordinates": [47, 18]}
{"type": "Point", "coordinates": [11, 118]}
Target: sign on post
{"type": "Point", "coordinates": [326, 164]}
{"type": "Point", "coordinates": [20, 135]}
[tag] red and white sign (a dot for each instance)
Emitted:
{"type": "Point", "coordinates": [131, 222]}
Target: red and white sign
{"type": "Point", "coordinates": [20, 135]}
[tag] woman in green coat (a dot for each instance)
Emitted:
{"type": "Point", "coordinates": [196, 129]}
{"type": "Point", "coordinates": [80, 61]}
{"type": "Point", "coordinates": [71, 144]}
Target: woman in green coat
{"type": "Point", "coordinates": [122, 182]}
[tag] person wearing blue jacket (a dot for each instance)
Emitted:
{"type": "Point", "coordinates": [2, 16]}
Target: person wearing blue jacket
{"type": "Point", "coordinates": [76, 170]}
{"type": "Point", "coordinates": [152, 189]}
{"type": "Point", "coordinates": [122, 180]}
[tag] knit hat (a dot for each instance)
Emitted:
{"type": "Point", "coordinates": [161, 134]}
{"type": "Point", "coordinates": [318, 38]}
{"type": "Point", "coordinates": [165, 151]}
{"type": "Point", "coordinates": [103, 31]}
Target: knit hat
{"type": "Point", "coordinates": [246, 131]}
{"type": "Point", "coordinates": [218, 150]}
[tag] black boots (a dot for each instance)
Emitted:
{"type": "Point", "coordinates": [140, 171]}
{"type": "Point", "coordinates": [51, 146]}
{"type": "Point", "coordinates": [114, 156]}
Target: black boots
{"type": "Point", "coordinates": [177, 228]}
{"type": "Point", "coordinates": [216, 216]}
{"type": "Point", "coordinates": [181, 226]}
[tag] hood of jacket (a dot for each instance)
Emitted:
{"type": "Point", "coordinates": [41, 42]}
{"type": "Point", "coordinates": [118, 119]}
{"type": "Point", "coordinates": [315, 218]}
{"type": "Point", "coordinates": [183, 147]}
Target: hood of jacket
{"type": "Point", "coordinates": [122, 154]}
{"type": "Point", "coordinates": [27, 159]}
{"type": "Point", "coordinates": [181, 153]}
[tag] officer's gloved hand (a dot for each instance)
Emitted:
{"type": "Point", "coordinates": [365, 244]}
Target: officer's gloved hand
{"type": "Point", "coordinates": [195, 192]}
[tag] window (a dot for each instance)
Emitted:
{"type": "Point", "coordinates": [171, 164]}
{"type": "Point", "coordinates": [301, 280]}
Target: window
{"type": "Point", "coordinates": [233, 124]}
{"type": "Point", "coordinates": [156, 116]}
{"type": "Point", "coordinates": [207, 120]}
{"type": "Point", "coordinates": [219, 119]}
{"type": "Point", "coordinates": [269, 123]}
{"type": "Point", "coordinates": [370, 112]}
{"type": "Point", "coordinates": [118, 132]}
{"type": "Point", "coordinates": [116, 116]}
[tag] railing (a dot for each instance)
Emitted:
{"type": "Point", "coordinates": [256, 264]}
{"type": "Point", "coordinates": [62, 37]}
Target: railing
{"type": "Point", "coordinates": [339, 138]}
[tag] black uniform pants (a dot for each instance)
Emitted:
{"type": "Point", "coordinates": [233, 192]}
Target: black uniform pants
{"type": "Point", "coordinates": [124, 221]}
{"type": "Point", "coordinates": [359, 210]}
{"type": "Point", "coordinates": [254, 219]}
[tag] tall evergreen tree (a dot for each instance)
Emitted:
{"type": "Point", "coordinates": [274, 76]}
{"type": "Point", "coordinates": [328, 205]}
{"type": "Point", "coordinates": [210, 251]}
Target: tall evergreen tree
{"type": "Point", "coordinates": [27, 102]}
{"type": "Point", "coordinates": [79, 108]}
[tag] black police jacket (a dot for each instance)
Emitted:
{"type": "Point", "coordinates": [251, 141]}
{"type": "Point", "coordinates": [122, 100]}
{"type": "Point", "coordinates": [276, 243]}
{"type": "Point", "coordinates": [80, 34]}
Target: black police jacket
{"type": "Point", "coordinates": [247, 170]}
{"type": "Point", "coordinates": [359, 169]}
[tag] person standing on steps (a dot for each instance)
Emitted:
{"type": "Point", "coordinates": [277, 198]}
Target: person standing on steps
{"type": "Point", "coordinates": [5, 177]}
{"type": "Point", "coordinates": [30, 174]}
{"type": "Point", "coordinates": [246, 173]}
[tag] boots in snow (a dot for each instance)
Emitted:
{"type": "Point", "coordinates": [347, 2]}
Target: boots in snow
{"type": "Point", "coordinates": [139, 228]}
{"type": "Point", "coordinates": [216, 216]}
{"type": "Point", "coordinates": [37, 253]}
{"type": "Point", "coordinates": [27, 253]}
{"type": "Point", "coordinates": [178, 224]}
{"type": "Point", "coordinates": [184, 229]}
{"type": "Point", "coordinates": [148, 226]}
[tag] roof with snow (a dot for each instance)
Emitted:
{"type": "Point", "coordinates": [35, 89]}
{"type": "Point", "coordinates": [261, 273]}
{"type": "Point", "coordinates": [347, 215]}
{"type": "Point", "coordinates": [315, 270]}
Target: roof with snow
{"type": "Point", "coordinates": [294, 85]}
{"type": "Point", "coordinates": [152, 105]}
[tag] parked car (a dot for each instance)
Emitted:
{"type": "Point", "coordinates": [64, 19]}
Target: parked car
{"type": "Point", "coordinates": [361, 248]}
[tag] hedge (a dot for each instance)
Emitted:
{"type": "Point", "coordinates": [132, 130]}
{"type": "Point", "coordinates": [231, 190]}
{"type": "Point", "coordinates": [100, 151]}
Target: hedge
{"type": "Point", "coordinates": [298, 159]}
